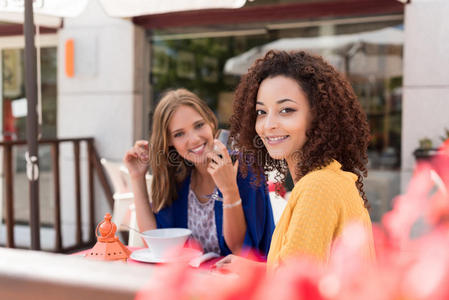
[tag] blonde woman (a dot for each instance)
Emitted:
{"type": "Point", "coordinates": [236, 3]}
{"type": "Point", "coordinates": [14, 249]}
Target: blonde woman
{"type": "Point", "coordinates": [195, 184]}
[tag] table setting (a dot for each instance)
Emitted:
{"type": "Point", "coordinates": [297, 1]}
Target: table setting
{"type": "Point", "coordinates": [164, 246]}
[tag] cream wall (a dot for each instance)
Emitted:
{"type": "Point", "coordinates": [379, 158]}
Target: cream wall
{"type": "Point", "coordinates": [103, 100]}
{"type": "Point", "coordinates": [426, 77]}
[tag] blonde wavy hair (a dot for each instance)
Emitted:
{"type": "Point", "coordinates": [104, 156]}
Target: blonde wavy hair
{"type": "Point", "coordinates": [167, 166]}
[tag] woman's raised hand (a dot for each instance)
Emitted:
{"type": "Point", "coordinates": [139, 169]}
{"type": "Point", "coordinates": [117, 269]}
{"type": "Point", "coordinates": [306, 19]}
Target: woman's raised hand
{"type": "Point", "coordinates": [221, 168]}
{"type": "Point", "coordinates": [136, 159]}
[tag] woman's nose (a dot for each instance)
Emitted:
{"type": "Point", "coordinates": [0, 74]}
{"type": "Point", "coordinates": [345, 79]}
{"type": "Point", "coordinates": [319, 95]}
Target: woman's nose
{"type": "Point", "coordinates": [271, 121]}
{"type": "Point", "coordinates": [194, 138]}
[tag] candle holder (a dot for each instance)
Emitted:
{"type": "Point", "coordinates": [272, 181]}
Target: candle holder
{"type": "Point", "coordinates": [108, 246]}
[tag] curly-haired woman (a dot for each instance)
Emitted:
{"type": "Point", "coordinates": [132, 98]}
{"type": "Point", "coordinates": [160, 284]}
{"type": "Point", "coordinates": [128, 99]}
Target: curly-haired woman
{"type": "Point", "coordinates": [194, 186]}
{"type": "Point", "coordinates": [294, 112]}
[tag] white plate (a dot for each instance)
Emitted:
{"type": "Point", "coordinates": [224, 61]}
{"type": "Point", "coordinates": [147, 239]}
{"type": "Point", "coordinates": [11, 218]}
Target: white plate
{"type": "Point", "coordinates": [145, 255]}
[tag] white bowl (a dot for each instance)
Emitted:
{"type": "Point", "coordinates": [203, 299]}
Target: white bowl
{"type": "Point", "coordinates": [164, 241]}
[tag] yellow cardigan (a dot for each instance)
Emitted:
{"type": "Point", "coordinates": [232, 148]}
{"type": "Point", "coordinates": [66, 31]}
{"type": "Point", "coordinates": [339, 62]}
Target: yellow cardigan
{"type": "Point", "coordinates": [320, 205]}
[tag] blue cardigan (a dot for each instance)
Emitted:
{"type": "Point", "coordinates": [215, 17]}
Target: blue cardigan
{"type": "Point", "coordinates": [256, 207]}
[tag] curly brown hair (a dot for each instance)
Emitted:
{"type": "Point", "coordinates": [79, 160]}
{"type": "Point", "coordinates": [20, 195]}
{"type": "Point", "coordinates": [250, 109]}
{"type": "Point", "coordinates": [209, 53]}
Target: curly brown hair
{"type": "Point", "coordinates": [339, 129]}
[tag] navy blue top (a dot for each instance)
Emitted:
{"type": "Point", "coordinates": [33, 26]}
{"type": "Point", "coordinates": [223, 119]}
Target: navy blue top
{"type": "Point", "coordinates": [256, 208]}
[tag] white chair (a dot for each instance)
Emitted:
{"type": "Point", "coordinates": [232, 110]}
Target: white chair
{"type": "Point", "coordinates": [121, 213]}
{"type": "Point", "coordinates": [123, 197]}
{"type": "Point", "coordinates": [118, 176]}
{"type": "Point", "coordinates": [148, 178]}
{"type": "Point", "coordinates": [124, 211]}
{"type": "Point", "coordinates": [134, 238]}
{"type": "Point", "coordinates": [278, 204]}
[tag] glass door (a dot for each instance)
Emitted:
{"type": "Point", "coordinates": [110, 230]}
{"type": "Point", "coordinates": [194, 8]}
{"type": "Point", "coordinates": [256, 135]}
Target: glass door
{"type": "Point", "coordinates": [13, 120]}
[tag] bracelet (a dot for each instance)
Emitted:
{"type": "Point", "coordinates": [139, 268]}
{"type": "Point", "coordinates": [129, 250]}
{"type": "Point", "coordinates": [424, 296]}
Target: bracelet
{"type": "Point", "coordinates": [231, 205]}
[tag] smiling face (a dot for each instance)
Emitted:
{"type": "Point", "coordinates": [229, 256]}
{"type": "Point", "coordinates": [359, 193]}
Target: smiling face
{"type": "Point", "coordinates": [190, 134]}
{"type": "Point", "coordinates": [283, 116]}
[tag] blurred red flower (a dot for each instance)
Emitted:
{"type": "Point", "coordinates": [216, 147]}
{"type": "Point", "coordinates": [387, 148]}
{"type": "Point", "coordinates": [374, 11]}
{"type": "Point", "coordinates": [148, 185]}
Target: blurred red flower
{"type": "Point", "coordinates": [411, 264]}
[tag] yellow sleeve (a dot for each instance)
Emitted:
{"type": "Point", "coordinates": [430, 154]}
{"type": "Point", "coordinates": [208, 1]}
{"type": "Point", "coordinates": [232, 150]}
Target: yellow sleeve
{"type": "Point", "coordinates": [312, 224]}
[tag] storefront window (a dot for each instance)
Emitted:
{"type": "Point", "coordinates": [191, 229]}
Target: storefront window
{"type": "Point", "coordinates": [198, 65]}
{"type": "Point", "coordinates": [369, 53]}
{"type": "Point", "coordinates": [13, 89]}
{"type": "Point", "coordinates": [14, 111]}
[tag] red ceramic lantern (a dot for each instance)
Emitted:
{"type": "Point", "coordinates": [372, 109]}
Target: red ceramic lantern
{"type": "Point", "coordinates": [108, 246]}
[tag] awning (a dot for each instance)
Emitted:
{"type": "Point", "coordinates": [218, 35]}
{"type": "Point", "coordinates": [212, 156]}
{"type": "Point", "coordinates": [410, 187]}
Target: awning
{"type": "Point", "coordinates": [49, 13]}
{"type": "Point", "coordinates": [46, 13]}
{"type": "Point", "coordinates": [133, 8]}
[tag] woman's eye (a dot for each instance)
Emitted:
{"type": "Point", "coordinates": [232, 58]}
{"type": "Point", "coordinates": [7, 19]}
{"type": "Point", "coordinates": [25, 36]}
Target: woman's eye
{"type": "Point", "coordinates": [259, 112]}
{"type": "Point", "coordinates": [287, 110]}
{"type": "Point", "coordinates": [178, 134]}
{"type": "Point", "coordinates": [199, 125]}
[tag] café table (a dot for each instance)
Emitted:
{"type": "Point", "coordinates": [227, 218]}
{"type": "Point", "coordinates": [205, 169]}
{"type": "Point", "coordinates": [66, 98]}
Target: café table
{"type": "Point", "coordinates": [207, 265]}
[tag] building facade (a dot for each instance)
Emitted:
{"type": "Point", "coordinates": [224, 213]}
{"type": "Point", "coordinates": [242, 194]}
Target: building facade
{"type": "Point", "coordinates": [394, 54]}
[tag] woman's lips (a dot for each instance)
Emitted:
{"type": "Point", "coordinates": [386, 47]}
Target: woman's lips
{"type": "Point", "coordinates": [274, 140]}
{"type": "Point", "coordinates": [199, 149]}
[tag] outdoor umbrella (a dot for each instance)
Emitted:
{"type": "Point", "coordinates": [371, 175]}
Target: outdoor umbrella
{"type": "Point", "coordinates": [49, 13]}
{"type": "Point", "coordinates": [336, 49]}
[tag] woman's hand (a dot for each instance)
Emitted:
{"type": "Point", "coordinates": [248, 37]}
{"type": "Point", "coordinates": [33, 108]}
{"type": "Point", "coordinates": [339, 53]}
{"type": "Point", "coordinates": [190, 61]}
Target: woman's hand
{"type": "Point", "coordinates": [226, 262]}
{"type": "Point", "coordinates": [136, 159]}
{"type": "Point", "coordinates": [223, 172]}
{"type": "Point", "coordinates": [238, 265]}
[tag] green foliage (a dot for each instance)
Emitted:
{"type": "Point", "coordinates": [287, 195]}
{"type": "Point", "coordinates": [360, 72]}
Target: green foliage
{"type": "Point", "coordinates": [425, 143]}
{"type": "Point", "coordinates": [197, 65]}
{"type": "Point", "coordinates": [446, 135]}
